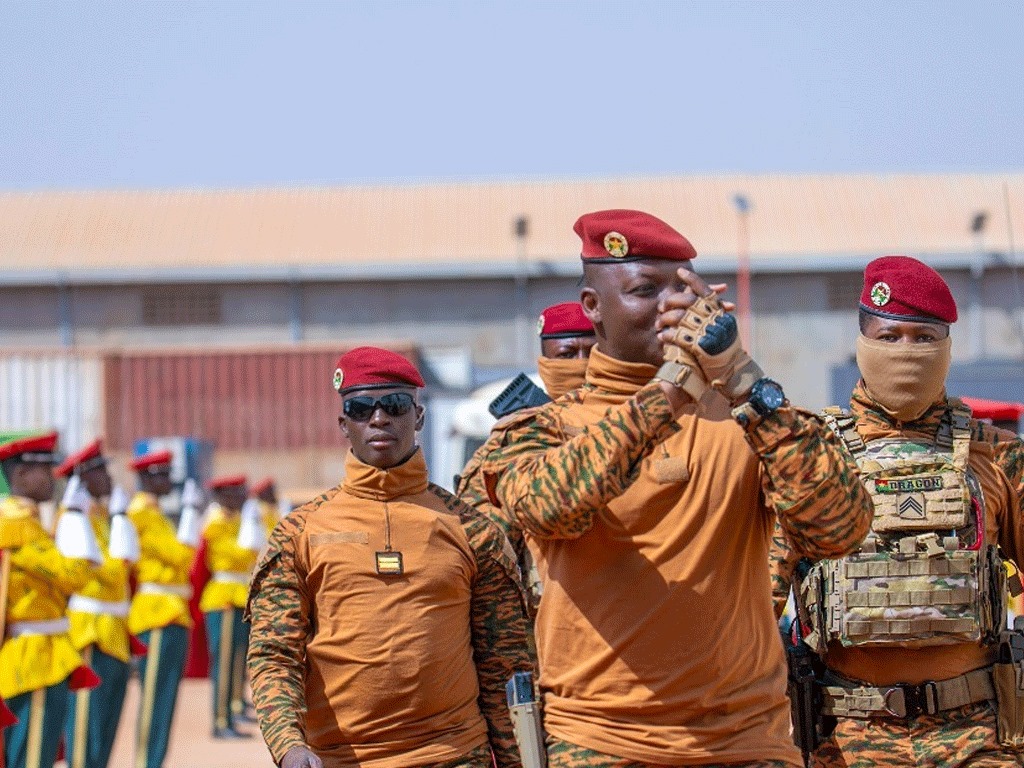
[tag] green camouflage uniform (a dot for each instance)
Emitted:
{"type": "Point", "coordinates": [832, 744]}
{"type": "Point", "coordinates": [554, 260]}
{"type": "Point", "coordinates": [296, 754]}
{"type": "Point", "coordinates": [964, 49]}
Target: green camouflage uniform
{"type": "Point", "coordinates": [557, 478]}
{"type": "Point", "coordinates": [566, 755]}
{"type": "Point", "coordinates": [472, 489]}
{"type": "Point", "coordinates": [965, 736]}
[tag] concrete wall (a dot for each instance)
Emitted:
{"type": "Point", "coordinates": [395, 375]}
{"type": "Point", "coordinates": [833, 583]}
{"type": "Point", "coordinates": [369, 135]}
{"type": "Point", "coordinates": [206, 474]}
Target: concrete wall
{"type": "Point", "coordinates": [804, 323]}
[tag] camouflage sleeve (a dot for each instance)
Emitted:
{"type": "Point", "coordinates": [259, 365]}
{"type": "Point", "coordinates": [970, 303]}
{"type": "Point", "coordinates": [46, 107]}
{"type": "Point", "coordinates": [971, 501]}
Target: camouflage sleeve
{"type": "Point", "coordinates": [498, 617]}
{"type": "Point", "coordinates": [279, 611]}
{"type": "Point", "coordinates": [1008, 456]}
{"type": "Point", "coordinates": [812, 483]}
{"type": "Point", "coordinates": [472, 490]}
{"type": "Point", "coordinates": [555, 486]}
{"type": "Point", "coordinates": [781, 564]}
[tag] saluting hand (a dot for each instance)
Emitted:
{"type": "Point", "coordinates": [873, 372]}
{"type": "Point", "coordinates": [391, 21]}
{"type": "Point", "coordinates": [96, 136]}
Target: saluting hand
{"type": "Point", "coordinates": [301, 757]}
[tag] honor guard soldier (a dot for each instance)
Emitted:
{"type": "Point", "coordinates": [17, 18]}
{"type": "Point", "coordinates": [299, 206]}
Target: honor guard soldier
{"type": "Point", "coordinates": [159, 613]}
{"type": "Point", "coordinates": [387, 616]}
{"type": "Point", "coordinates": [99, 622]}
{"type": "Point", "coordinates": [230, 561]}
{"type": "Point", "coordinates": [914, 662]}
{"type": "Point", "coordinates": [652, 511]}
{"type": "Point", "coordinates": [566, 338]}
{"type": "Point", "coordinates": [38, 661]}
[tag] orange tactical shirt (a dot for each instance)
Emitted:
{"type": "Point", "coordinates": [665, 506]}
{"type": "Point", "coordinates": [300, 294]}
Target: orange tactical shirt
{"type": "Point", "coordinates": [655, 634]}
{"type": "Point", "coordinates": [997, 459]}
{"type": "Point", "coordinates": [386, 671]}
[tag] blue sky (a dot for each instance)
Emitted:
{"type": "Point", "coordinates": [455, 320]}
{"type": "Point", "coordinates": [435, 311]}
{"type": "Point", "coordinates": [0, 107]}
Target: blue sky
{"type": "Point", "coordinates": [233, 94]}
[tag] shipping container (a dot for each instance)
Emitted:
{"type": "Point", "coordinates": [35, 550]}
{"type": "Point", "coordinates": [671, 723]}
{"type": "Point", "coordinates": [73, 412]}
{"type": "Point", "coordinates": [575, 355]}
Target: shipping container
{"type": "Point", "coordinates": [239, 399]}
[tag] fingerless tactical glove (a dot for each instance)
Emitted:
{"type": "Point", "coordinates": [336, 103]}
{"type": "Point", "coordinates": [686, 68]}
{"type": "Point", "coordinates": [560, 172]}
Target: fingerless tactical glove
{"type": "Point", "coordinates": [709, 335]}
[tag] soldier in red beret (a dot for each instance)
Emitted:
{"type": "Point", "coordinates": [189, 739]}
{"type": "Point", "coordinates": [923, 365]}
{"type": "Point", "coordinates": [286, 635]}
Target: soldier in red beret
{"type": "Point", "coordinates": [38, 661]}
{"type": "Point", "coordinates": [652, 511]}
{"type": "Point", "coordinates": [911, 628]}
{"type": "Point", "coordinates": [566, 338]}
{"type": "Point", "coordinates": [386, 616]}
{"type": "Point", "coordinates": [159, 613]}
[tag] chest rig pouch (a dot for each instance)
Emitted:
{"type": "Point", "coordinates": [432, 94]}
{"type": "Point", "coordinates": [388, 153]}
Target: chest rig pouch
{"type": "Point", "coordinates": [924, 575]}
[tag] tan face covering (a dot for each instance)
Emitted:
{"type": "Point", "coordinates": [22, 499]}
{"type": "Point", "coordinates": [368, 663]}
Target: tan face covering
{"type": "Point", "coordinates": [904, 379]}
{"type": "Point", "coordinates": [561, 376]}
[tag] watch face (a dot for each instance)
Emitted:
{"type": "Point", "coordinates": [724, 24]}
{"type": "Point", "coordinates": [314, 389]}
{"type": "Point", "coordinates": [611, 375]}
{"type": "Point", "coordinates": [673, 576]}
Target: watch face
{"type": "Point", "coordinates": [767, 396]}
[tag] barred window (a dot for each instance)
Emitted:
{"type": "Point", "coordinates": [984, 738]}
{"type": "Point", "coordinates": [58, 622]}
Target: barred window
{"type": "Point", "coordinates": [181, 305]}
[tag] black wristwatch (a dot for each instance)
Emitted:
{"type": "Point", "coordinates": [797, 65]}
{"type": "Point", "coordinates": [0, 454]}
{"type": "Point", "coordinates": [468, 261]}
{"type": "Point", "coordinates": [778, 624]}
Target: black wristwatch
{"type": "Point", "coordinates": [766, 397]}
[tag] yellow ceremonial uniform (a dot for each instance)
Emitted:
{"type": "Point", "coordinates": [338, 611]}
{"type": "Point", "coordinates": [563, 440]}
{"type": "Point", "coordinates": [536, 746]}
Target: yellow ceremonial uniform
{"type": "Point", "coordinates": [99, 631]}
{"type": "Point", "coordinates": [40, 582]}
{"type": "Point", "coordinates": [162, 570]}
{"type": "Point", "coordinates": [37, 657]}
{"type": "Point", "coordinates": [270, 516]}
{"type": "Point", "coordinates": [159, 615]}
{"type": "Point", "coordinates": [222, 603]}
{"type": "Point", "coordinates": [102, 618]}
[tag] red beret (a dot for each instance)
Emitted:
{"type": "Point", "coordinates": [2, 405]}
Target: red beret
{"type": "Point", "coordinates": [151, 462]}
{"type": "Point", "coordinates": [89, 457]}
{"type": "Point", "coordinates": [623, 235]}
{"type": "Point", "coordinates": [265, 484]}
{"type": "Point", "coordinates": [35, 448]}
{"type": "Point", "coordinates": [561, 321]}
{"type": "Point", "coordinates": [226, 481]}
{"type": "Point", "coordinates": [903, 288]}
{"type": "Point", "coordinates": [374, 368]}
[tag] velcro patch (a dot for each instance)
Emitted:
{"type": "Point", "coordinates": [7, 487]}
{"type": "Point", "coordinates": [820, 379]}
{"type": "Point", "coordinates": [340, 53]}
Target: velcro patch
{"type": "Point", "coordinates": [909, 484]}
{"type": "Point", "coordinates": [341, 537]}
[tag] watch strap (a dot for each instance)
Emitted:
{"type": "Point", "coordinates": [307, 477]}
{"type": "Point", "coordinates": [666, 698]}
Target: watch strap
{"type": "Point", "coordinates": [746, 415]}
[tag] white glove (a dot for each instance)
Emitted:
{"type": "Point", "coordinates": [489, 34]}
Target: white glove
{"type": "Point", "coordinates": [252, 534]}
{"type": "Point", "coordinates": [74, 536]}
{"type": "Point", "coordinates": [124, 539]}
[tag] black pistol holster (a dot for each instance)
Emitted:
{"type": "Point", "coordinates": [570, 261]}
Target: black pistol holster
{"type": "Point", "coordinates": [1008, 680]}
{"type": "Point", "coordinates": [810, 726]}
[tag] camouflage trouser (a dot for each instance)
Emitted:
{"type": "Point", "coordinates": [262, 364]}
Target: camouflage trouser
{"type": "Point", "coordinates": [478, 758]}
{"type": "Point", "coordinates": [959, 738]}
{"type": "Point", "coordinates": [562, 754]}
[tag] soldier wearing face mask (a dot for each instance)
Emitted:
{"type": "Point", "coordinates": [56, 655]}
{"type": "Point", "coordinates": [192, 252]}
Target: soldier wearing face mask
{"type": "Point", "coordinates": [566, 338]}
{"type": "Point", "coordinates": [912, 651]}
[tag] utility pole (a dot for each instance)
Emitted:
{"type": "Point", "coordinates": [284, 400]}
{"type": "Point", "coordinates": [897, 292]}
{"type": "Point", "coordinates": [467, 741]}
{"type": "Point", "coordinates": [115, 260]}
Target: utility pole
{"type": "Point", "coordinates": [743, 270]}
{"type": "Point", "coordinates": [521, 228]}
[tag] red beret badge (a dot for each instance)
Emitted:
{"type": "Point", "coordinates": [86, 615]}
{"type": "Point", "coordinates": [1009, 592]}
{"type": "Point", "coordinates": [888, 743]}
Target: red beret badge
{"type": "Point", "coordinates": [616, 245]}
{"type": "Point", "coordinates": [880, 294]}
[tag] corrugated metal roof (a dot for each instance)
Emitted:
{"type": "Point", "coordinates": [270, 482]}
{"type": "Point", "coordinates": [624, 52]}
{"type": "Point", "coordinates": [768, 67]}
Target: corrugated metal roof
{"type": "Point", "coordinates": [471, 224]}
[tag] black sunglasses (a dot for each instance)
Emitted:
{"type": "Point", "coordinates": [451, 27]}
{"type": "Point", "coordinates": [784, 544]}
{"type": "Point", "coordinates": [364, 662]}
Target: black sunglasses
{"type": "Point", "coordinates": [395, 404]}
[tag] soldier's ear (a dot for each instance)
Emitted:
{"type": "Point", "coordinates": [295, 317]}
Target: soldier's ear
{"type": "Point", "coordinates": [420, 413]}
{"type": "Point", "coordinates": [343, 425]}
{"type": "Point", "coordinates": [591, 304]}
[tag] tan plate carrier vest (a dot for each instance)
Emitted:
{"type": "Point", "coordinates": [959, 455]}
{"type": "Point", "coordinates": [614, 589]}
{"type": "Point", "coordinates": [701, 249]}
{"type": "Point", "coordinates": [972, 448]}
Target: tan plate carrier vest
{"type": "Point", "coordinates": [924, 575]}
